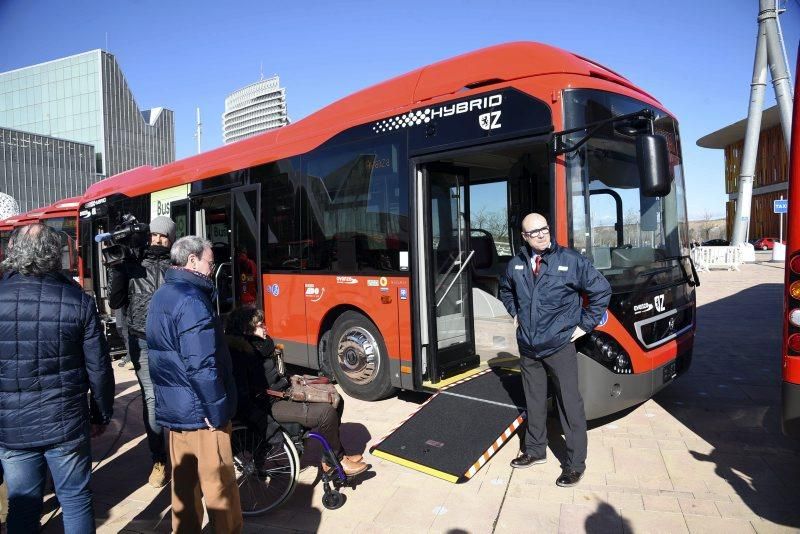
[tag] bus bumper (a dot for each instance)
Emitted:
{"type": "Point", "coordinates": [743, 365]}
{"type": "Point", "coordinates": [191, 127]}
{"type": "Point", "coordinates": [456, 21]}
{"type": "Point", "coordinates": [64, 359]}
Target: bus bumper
{"type": "Point", "coordinates": [605, 392]}
{"type": "Point", "coordinates": [790, 422]}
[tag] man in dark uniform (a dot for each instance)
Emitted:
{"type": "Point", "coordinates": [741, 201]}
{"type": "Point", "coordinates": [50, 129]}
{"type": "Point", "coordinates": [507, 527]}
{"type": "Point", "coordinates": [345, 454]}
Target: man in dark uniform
{"type": "Point", "coordinates": [542, 290]}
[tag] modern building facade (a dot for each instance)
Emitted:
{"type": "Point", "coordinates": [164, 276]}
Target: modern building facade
{"type": "Point", "coordinates": [85, 99]}
{"type": "Point", "coordinates": [37, 170]}
{"type": "Point", "coordinates": [259, 107]}
{"type": "Point", "coordinates": [771, 177]}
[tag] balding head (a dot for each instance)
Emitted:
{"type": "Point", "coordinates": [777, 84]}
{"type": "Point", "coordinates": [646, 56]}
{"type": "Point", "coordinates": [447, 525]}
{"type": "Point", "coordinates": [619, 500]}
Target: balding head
{"type": "Point", "coordinates": [540, 241]}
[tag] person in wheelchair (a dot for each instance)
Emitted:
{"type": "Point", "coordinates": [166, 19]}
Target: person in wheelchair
{"type": "Point", "coordinates": [256, 370]}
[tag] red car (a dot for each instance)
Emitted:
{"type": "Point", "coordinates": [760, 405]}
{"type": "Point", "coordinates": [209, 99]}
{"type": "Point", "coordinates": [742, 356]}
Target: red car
{"type": "Point", "coordinates": [766, 243]}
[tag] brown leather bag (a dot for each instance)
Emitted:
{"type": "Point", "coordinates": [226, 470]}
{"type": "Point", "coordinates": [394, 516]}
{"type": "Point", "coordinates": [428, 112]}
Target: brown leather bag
{"type": "Point", "coordinates": [307, 388]}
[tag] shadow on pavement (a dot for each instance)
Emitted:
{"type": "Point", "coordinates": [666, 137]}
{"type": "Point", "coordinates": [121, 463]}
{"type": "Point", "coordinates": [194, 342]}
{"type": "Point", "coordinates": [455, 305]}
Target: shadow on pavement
{"type": "Point", "coordinates": [730, 398]}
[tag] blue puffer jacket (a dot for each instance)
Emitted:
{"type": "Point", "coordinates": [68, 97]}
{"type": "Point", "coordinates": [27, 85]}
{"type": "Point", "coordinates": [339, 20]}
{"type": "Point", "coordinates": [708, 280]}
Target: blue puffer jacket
{"type": "Point", "coordinates": [548, 306]}
{"type": "Point", "coordinates": [52, 352]}
{"type": "Point", "coordinates": [190, 365]}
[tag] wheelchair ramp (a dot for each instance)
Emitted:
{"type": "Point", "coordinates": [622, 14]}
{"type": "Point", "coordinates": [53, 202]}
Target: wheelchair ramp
{"type": "Point", "coordinates": [455, 432]}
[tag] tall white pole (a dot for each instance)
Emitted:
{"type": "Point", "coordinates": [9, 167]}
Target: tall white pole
{"type": "Point", "coordinates": [781, 79]}
{"type": "Point", "coordinates": [198, 133]}
{"type": "Point", "coordinates": [757, 87]}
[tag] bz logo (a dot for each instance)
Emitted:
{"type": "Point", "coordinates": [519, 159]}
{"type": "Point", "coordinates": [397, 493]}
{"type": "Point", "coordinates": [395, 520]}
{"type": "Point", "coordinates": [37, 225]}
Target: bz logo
{"type": "Point", "coordinates": [490, 121]}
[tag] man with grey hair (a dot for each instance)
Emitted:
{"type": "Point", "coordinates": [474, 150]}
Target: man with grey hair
{"type": "Point", "coordinates": [52, 352]}
{"type": "Point", "coordinates": [195, 390]}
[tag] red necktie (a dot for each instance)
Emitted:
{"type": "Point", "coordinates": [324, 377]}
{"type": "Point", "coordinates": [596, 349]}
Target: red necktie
{"type": "Point", "coordinates": [537, 260]}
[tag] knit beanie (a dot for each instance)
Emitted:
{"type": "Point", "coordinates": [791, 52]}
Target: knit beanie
{"type": "Point", "coordinates": [163, 225]}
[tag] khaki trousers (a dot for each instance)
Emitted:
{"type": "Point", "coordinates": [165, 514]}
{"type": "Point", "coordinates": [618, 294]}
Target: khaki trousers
{"type": "Point", "coordinates": [202, 467]}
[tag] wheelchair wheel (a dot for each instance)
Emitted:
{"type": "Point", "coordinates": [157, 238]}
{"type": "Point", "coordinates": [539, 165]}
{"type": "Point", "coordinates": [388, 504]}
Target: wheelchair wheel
{"type": "Point", "coordinates": [266, 473]}
{"type": "Point", "coordinates": [332, 500]}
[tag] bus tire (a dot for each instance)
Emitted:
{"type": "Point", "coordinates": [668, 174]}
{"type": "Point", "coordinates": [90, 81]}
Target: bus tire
{"type": "Point", "coordinates": [358, 358]}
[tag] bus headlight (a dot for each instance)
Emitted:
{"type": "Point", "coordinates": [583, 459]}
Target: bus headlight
{"type": "Point", "coordinates": [603, 349]}
{"type": "Point", "coordinates": [794, 316]}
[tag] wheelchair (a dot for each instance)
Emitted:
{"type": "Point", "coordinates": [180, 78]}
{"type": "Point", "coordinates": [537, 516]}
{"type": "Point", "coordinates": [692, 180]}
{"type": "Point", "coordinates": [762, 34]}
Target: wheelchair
{"type": "Point", "coordinates": [268, 466]}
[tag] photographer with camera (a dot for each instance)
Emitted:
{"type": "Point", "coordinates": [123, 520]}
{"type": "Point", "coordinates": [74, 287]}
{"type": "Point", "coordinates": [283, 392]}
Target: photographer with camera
{"type": "Point", "coordinates": [132, 285]}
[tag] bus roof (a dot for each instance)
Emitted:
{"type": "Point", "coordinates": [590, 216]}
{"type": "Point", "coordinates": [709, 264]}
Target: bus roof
{"type": "Point", "coordinates": [63, 208]}
{"type": "Point", "coordinates": [458, 76]}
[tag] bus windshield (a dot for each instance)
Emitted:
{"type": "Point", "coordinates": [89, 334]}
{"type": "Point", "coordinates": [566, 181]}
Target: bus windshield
{"type": "Point", "coordinates": [634, 240]}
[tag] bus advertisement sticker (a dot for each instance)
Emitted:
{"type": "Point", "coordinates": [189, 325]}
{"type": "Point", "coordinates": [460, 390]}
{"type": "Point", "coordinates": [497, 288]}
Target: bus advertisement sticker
{"type": "Point", "coordinates": [403, 293]}
{"type": "Point", "coordinates": [275, 290]}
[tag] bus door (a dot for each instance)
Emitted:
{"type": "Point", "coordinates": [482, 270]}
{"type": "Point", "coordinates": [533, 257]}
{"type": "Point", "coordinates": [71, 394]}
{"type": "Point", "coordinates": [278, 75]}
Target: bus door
{"type": "Point", "coordinates": [446, 290]}
{"type": "Point", "coordinates": [230, 221]}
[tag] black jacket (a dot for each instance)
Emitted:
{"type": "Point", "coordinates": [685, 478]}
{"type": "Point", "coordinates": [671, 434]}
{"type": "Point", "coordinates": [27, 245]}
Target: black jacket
{"type": "Point", "coordinates": [52, 351]}
{"type": "Point", "coordinates": [255, 371]}
{"type": "Point", "coordinates": [548, 306]}
{"type": "Point", "coordinates": [133, 284]}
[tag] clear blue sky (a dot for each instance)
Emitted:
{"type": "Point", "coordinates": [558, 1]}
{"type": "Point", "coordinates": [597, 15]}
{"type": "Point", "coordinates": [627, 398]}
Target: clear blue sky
{"type": "Point", "coordinates": [696, 57]}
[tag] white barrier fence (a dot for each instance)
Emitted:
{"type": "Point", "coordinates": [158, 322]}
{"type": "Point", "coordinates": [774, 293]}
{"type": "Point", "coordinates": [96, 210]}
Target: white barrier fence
{"type": "Point", "coordinates": [706, 258]}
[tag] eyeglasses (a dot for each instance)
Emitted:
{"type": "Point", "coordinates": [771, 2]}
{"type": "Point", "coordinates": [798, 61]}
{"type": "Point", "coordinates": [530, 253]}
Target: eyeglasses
{"type": "Point", "coordinates": [544, 230]}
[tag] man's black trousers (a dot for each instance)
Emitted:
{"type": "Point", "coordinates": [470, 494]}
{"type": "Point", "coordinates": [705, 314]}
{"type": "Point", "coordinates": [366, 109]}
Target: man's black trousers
{"type": "Point", "coordinates": [563, 369]}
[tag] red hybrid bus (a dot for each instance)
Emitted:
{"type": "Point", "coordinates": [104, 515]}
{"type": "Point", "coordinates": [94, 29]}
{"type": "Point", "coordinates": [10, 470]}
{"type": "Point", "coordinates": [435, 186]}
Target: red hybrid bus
{"type": "Point", "coordinates": [375, 231]}
{"type": "Point", "coordinates": [791, 317]}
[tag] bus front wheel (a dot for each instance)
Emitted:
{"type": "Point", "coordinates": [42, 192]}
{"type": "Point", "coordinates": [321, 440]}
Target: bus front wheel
{"type": "Point", "coordinates": [359, 359]}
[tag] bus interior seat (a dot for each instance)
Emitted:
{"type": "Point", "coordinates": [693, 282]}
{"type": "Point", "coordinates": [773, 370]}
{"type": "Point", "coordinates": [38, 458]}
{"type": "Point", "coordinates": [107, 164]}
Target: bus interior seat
{"type": "Point", "coordinates": [601, 257]}
{"type": "Point", "coordinates": [484, 263]}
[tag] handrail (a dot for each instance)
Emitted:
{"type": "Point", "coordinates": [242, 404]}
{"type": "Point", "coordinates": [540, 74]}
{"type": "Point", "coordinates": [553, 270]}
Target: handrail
{"type": "Point", "coordinates": [216, 282]}
{"type": "Point", "coordinates": [463, 266]}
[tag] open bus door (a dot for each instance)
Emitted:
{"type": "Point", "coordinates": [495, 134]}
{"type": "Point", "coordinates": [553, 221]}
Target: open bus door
{"type": "Point", "coordinates": [230, 220]}
{"type": "Point", "coordinates": [445, 292]}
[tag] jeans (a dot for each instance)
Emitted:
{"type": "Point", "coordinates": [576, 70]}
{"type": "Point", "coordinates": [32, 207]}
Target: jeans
{"type": "Point", "coordinates": [137, 348]}
{"type": "Point", "coordinates": [24, 470]}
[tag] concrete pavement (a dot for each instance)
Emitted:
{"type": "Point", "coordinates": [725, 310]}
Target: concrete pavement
{"type": "Point", "coordinates": [705, 455]}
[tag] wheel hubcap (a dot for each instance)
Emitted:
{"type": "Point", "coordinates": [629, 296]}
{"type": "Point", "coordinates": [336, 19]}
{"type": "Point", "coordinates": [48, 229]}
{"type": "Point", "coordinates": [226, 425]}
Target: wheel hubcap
{"type": "Point", "coordinates": [358, 355]}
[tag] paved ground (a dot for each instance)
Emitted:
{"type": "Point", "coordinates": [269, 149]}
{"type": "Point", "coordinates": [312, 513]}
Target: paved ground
{"type": "Point", "coordinates": [705, 455]}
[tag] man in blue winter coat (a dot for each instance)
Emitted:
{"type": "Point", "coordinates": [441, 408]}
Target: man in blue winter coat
{"type": "Point", "coordinates": [52, 352]}
{"type": "Point", "coordinates": [542, 290]}
{"type": "Point", "coordinates": [192, 375]}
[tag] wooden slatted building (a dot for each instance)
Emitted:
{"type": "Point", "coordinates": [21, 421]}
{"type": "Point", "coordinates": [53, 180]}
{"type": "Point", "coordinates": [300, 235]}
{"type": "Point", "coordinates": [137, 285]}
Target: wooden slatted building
{"type": "Point", "coordinates": [771, 176]}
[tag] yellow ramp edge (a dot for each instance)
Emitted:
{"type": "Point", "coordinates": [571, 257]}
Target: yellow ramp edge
{"type": "Point", "coordinates": [415, 466]}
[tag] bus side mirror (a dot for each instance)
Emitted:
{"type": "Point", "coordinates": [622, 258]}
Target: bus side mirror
{"type": "Point", "coordinates": [653, 161]}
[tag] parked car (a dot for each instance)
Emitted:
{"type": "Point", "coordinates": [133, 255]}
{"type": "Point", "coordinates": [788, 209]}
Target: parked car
{"type": "Point", "coordinates": [716, 243]}
{"type": "Point", "coordinates": [766, 243]}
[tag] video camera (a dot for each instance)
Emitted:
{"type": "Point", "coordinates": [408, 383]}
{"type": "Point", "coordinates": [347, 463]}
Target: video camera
{"type": "Point", "coordinates": [127, 238]}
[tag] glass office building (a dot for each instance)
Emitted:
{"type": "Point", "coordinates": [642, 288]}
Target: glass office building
{"type": "Point", "coordinates": [85, 98]}
{"type": "Point", "coordinates": [38, 170]}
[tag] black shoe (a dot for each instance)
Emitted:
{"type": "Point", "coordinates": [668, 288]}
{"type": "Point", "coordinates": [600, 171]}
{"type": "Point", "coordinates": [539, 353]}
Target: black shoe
{"type": "Point", "coordinates": [569, 478]}
{"type": "Point", "coordinates": [526, 460]}
{"type": "Point", "coordinates": [122, 361]}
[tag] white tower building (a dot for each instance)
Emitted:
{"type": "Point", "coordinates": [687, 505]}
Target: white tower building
{"type": "Point", "coordinates": [253, 109]}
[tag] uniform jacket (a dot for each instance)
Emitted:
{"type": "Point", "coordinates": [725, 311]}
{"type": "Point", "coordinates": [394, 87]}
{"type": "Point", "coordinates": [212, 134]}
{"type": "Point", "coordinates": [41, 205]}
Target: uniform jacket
{"type": "Point", "coordinates": [134, 284]}
{"type": "Point", "coordinates": [52, 352]}
{"type": "Point", "coordinates": [548, 306]}
{"type": "Point", "coordinates": [190, 365]}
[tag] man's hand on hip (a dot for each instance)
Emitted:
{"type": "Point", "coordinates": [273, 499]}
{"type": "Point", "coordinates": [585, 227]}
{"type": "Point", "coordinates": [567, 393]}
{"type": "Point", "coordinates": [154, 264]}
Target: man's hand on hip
{"type": "Point", "coordinates": [577, 333]}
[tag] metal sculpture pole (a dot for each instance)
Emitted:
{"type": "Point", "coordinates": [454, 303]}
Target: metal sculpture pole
{"type": "Point", "coordinates": [769, 49]}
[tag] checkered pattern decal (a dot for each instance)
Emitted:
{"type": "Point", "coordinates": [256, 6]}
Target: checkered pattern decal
{"type": "Point", "coordinates": [412, 118]}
